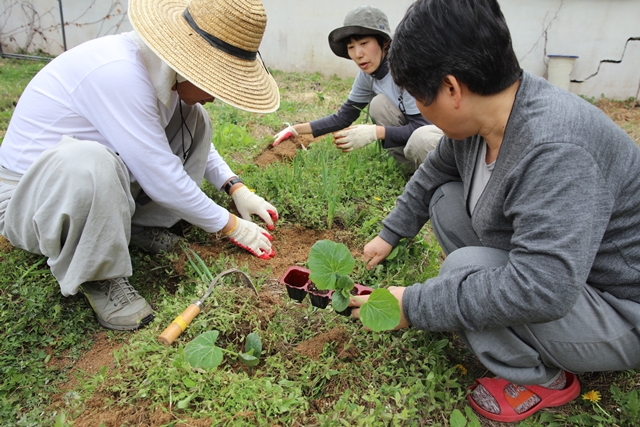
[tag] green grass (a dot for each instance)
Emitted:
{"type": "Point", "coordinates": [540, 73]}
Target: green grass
{"type": "Point", "coordinates": [401, 378]}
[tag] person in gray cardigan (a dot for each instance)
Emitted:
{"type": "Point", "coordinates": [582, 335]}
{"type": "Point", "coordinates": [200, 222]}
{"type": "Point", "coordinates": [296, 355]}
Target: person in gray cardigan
{"type": "Point", "coordinates": [534, 196]}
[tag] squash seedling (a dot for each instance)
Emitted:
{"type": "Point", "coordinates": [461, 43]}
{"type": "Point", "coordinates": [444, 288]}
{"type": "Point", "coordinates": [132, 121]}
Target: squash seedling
{"type": "Point", "coordinates": [202, 352]}
{"type": "Point", "coordinates": [330, 264]}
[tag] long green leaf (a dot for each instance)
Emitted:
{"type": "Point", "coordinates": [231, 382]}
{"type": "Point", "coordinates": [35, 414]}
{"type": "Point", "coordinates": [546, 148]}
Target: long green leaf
{"type": "Point", "coordinates": [201, 268]}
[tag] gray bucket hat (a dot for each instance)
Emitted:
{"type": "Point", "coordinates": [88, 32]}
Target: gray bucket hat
{"type": "Point", "coordinates": [363, 20]}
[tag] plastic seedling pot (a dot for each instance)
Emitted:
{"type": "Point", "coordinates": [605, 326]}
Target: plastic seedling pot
{"type": "Point", "coordinates": [319, 298]}
{"type": "Point", "coordinates": [356, 291]}
{"type": "Point", "coordinates": [296, 280]}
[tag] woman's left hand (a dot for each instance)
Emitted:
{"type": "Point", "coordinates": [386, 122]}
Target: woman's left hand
{"type": "Point", "coordinates": [355, 137]}
{"type": "Point", "coordinates": [248, 203]}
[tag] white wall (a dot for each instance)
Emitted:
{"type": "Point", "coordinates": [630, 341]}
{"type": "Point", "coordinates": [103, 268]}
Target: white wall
{"type": "Point", "coordinates": [297, 30]}
{"type": "Point", "coordinates": [29, 25]}
{"type": "Point", "coordinates": [594, 30]}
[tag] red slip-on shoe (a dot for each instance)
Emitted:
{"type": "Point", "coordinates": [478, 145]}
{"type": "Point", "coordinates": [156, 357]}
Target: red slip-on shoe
{"type": "Point", "coordinates": [548, 398]}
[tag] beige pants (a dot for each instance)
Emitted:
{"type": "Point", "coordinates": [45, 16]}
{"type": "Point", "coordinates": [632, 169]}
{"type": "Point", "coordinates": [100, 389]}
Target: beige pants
{"type": "Point", "coordinates": [75, 204]}
{"type": "Point", "coordinates": [420, 143]}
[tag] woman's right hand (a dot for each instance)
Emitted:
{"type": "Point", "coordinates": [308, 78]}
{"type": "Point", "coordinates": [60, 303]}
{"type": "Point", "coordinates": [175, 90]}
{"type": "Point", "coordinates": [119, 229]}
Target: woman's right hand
{"type": "Point", "coordinates": [286, 133]}
{"type": "Point", "coordinates": [375, 251]}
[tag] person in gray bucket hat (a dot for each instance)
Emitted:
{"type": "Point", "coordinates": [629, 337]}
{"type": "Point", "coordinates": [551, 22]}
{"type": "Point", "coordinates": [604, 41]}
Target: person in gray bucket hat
{"type": "Point", "coordinates": [365, 38]}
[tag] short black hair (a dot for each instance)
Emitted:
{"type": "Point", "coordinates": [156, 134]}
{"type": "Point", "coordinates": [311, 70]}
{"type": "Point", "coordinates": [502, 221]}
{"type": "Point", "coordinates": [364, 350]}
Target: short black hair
{"type": "Point", "coordinates": [468, 39]}
{"type": "Point", "coordinates": [379, 37]}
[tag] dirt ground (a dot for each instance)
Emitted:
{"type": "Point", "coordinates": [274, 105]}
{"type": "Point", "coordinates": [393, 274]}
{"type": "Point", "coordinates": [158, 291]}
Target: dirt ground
{"type": "Point", "coordinates": [286, 150]}
{"type": "Point", "coordinates": [292, 245]}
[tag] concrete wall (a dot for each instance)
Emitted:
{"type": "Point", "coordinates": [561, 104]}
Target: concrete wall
{"type": "Point", "coordinates": [604, 34]}
{"type": "Point", "coordinates": [32, 25]}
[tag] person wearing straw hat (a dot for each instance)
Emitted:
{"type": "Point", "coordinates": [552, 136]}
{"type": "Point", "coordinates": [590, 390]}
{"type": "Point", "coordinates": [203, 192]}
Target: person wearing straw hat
{"type": "Point", "coordinates": [109, 144]}
{"type": "Point", "coordinates": [365, 38]}
{"type": "Point", "coordinates": [534, 196]}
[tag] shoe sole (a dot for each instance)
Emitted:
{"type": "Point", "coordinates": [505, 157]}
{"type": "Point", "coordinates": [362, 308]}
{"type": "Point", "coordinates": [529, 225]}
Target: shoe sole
{"type": "Point", "coordinates": [144, 322]}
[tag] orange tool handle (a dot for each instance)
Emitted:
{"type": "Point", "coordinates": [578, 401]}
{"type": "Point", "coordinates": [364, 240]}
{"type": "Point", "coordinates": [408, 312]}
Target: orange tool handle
{"type": "Point", "coordinates": [178, 326]}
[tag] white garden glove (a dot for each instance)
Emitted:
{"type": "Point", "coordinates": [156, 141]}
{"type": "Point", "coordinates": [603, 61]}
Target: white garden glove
{"type": "Point", "coordinates": [355, 137]}
{"type": "Point", "coordinates": [248, 203]}
{"type": "Point", "coordinates": [286, 133]}
{"type": "Point", "coordinates": [251, 237]}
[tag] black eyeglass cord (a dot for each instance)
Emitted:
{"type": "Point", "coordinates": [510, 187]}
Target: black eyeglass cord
{"type": "Point", "coordinates": [186, 152]}
{"type": "Point", "coordinates": [401, 105]}
{"type": "Point", "coordinates": [263, 64]}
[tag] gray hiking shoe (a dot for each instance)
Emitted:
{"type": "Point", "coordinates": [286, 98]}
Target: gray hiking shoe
{"type": "Point", "coordinates": [116, 304]}
{"type": "Point", "coordinates": [154, 239]}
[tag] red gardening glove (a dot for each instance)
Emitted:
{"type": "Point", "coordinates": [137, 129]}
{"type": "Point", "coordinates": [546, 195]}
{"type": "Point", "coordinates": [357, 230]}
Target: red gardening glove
{"type": "Point", "coordinates": [286, 133]}
{"type": "Point", "coordinates": [252, 238]}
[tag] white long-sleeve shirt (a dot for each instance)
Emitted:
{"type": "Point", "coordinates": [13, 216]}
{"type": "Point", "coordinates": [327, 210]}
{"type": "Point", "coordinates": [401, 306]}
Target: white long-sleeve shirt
{"type": "Point", "coordinates": [102, 91]}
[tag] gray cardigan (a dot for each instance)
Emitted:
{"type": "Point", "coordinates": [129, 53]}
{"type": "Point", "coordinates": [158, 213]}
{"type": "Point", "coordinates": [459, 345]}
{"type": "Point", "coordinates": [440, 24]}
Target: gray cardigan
{"type": "Point", "coordinates": [563, 199]}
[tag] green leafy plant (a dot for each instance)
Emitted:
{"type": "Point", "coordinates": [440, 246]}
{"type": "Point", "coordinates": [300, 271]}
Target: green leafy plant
{"type": "Point", "coordinates": [330, 264]}
{"type": "Point", "coordinates": [202, 352]}
{"type": "Point", "coordinates": [629, 404]}
{"type": "Point", "coordinates": [329, 180]}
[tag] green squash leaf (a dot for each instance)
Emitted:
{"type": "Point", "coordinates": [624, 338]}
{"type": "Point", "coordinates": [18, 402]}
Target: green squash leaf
{"type": "Point", "coordinates": [344, 283]}
{"type": "Point", "coordinates": [202, 352]}
{"type": "Point", "coordinates": [253, 344]}
{"type": "Point", "coordinates": [248, 359]}
{"type": "Point", "coordinates": [339, 301]}
{"type": "Point", "coordinates": [328, 259]}
{"type": "Point", "coordinates": [381, 312]}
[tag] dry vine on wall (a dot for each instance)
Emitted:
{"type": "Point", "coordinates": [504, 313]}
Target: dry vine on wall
{"type": "Point", "coordinates": [33, 26]}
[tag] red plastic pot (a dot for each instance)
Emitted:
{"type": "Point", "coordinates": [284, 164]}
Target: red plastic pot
{"type": "Point", "coordinates": [319, 298]}
{"type": "Point", "coordinates": [296, 279]}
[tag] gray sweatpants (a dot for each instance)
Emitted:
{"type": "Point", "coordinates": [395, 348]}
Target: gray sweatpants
{"type": "Point", "coordinates": [420, 143]}
{"type": "Point", "coordinates": [76, 203]}
{"type": "Point", "coordinates": [600, 332]}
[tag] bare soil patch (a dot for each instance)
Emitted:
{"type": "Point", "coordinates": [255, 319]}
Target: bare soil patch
{"type": "Point", "coordinates": [284, 151]}
{"type": "Point", "coordinates": [337, 336]}
{"type": "Point", "coordinates": [292, 245]}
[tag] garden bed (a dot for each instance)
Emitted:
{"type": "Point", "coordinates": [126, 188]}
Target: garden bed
{"type": "Point", "coordinates": [317, 367]}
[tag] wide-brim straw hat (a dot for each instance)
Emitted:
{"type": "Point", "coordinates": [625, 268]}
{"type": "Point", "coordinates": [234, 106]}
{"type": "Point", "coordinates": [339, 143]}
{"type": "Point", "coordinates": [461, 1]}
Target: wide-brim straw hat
{"type": "Point", "coordinates": [218, 55]}
{"type": "Point", "coordinates": [363, 20]}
